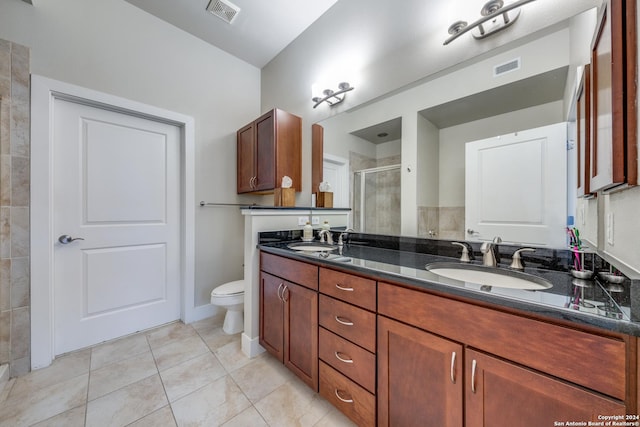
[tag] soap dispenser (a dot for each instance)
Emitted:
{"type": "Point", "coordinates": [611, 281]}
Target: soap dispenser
{"type": "Point", "coordinates": [307, 232]}
{"type": "Point", "coordinates": [326, 226]}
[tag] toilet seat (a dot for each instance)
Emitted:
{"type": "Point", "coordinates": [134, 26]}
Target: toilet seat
{"type": "Point", "coordinates": [229, 289]}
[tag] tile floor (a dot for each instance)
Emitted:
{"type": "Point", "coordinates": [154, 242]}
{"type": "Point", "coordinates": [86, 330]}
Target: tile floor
{"type": "Point", "coordinates": [175, 375]}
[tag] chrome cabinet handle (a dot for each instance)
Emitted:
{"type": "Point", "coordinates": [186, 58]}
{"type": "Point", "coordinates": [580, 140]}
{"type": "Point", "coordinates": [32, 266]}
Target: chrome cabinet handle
{"type": "Point", "coordinates": [453, 367]}
{"type": "Point", "coordinates": [342, 359]}
{"type": "Point", "coordinates": [472, 232]}
{"type": "Point", "coordinates": [66, 239]}
{"type": "Point", "coordinates": [285, 289]}
{"type": "Point", "coordinates": [345, 322]}
{"type": "Point", "coordinates": [343, 399]}
{"type": "Point", "coordinates": [342, 288]}
{"type": "Point", "coordinates": [278, 291]}
{"type": "Point", "coordinates": [473, 375]}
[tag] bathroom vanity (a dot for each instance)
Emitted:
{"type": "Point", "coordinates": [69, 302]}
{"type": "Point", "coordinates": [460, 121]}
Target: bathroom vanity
{"type": "Point", "coordinates": [392, 344]}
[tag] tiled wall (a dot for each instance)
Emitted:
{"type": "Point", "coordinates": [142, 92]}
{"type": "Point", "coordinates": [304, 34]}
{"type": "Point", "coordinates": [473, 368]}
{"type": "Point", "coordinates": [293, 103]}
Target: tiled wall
{"type": "Point", "coordinates": [446, 222]}
{"type": "Point", "coordinates": [15, 336]}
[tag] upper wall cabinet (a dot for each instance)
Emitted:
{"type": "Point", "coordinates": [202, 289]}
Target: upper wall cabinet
{"type": "Point", "coordinates": [614, 140]}
{"type": "Point", "coordinates": [268, 149]}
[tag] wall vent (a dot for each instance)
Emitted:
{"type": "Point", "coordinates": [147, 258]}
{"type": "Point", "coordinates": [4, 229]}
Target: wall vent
{"type": "Point", "coordinates": [506, 67]}
{"type": "Point", "coordinates": [224, 10]}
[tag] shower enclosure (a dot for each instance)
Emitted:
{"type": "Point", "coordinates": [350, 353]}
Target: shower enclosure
{"type": "Point", "coordinates": [376, 200]}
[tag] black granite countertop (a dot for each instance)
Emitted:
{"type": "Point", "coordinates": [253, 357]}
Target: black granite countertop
{"type": "Point", "coordinates": [403, 260]}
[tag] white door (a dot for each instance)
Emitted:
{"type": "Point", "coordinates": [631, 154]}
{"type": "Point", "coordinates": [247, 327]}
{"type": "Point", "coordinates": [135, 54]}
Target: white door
{"type": "Point", "coordinates": [335, 171]}
{"type": "Point", "coordinates": [516, 187]}
{"type": "Point", "coordinates": [117, 187]}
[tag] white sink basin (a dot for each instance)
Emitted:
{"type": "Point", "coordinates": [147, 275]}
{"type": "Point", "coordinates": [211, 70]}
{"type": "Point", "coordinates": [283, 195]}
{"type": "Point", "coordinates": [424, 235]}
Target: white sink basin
{"type": "Point", "coordinates": [488, 276]}
{"type": "Point", "coordinates": [312, 247]}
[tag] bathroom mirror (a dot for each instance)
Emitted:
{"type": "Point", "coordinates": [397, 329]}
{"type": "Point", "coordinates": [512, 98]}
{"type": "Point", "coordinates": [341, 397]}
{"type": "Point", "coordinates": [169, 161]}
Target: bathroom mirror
{"type": "Point", "coordinates": [401, 159]}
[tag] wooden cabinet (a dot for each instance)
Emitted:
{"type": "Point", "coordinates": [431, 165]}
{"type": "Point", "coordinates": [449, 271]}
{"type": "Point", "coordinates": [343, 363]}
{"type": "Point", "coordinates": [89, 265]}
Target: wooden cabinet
{"type": "Point", "coordinates": [583, 133]}
{"type": "Point", "coordinates": [614, 140]}
{"type": "Point", "coordinates": [518, 371]}
{"type": "Point", "coordinates": [420, 380]}
{"type": "Point", "coordinates": [268, 149]}
{"type": "Point", "coordinates": [389, 355]}
{"type": "Point", "coordinates": [347, 345]}
{"type": "Point", "coordinates": [502, 393]}
{"type": "Point", "coordinates": [289, 315]}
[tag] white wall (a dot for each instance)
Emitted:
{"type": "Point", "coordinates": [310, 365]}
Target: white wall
{"type": "Point", "coordinates": [429, 164]}
{"type": "Point", "coordinates": [114, 47]}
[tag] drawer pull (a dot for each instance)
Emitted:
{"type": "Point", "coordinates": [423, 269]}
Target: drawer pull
{"type": "Point", "coordinates": [473, 375]}
{"type": "Point", "coordinates": [343, 399]}
{"type": "Point", "coordinates": [344, 322]}
{"type": "Point", "coordinates": [453, 367]}
{"type": "Point", "coordinates": [343, 359]}
{"type": "Point", "coordinates": [342, 288]}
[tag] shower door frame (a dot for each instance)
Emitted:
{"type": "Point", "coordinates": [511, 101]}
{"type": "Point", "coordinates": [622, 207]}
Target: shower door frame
{"type": "Point", "coordinates": [364, 172]}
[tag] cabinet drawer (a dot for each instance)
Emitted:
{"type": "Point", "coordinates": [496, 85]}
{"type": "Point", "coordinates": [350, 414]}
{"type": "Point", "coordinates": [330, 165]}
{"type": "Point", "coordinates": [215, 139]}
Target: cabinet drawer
{"type": "Point", "coordinates": [351, 399]}
{"type": "Point", "coordinates": [350, 322]}
{"type": "Point", "coordinates": [593, 361]}
{"type": "Point", "coordinates": [294, 271]}
{"type": "Point", "coordinates": [347, 287]}
{"type": "Point", "coordinates": [355, 362]}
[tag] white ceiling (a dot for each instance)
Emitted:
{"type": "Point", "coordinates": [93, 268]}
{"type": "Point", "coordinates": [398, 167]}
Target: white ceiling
{"type": "Point", "coordinates": [259, 32]}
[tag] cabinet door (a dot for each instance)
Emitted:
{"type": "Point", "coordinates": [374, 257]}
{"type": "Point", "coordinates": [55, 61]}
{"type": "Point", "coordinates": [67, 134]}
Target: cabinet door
{"type": "Point", "coordinates": [583, 120]}
{"type": "Point", "coordinates": [614, 144]}
{"type": "Point", "coordinates": [272, 315]}
{"type": "Point", "coordinates": [499, 393]}
{"type": "Point", "coordinates": [246, 159]}
{"type": "Point", "coordinates": [301, 332]}
{"type": "Point", "coordinates": [419, 377]}
{"type": "Point", "coordinates": [265, 153]}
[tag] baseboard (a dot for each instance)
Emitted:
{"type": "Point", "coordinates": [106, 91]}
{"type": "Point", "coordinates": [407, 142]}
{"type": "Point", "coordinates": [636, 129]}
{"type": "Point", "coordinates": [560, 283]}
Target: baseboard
{"type": "Point", "coordinates": [250, 346]}
{"type": "Point", "coordinates": [199, 313]}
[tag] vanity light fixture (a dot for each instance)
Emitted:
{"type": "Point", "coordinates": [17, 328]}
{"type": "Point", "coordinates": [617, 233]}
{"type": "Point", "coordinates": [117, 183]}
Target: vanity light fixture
{"type": "Point", "coordinates": [490, 23]}
{"type": "Point", "coordinates": [333, 98]}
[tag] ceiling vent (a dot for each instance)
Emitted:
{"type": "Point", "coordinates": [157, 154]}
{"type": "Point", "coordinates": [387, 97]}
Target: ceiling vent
{"type": "Point", "coordinates": [224, 10]}
{"type": "Point", "coordinates": [506, 67]}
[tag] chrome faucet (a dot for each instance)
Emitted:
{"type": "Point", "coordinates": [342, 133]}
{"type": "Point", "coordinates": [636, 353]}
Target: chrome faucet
{"type": "Point", "coordinates": [328, 235]}
{"type": "Point", "coordinates": [467, 251]}
{"type": "Point", "coordinates": [344, 234]}
{"type": "Point", "coordinates": [516, 260]}
{"type": "Point", "coordinates": [490, 254]}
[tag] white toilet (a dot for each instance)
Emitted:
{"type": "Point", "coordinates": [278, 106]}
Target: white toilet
{"type": "Point", "coordinates": [231, 297]}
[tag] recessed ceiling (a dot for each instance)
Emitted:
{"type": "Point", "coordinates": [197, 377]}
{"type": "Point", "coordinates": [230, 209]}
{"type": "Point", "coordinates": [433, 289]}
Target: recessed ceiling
{"type": "Point", "coordinates": [382, 132]}
{"type": "Point", "coordinates": [261, 30]}
{"type": "Point", "coordinates": [536, 90]}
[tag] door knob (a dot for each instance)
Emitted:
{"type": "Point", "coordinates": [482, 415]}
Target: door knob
{"type": "Point", "coordinates": [65, 238]}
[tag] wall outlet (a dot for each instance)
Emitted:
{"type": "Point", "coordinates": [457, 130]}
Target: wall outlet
{"type": "Point", "coordinates": [610, 228]}
{"type": "Point", "coordinates": [302, 220]}
{"type": "Point", "coordinates": [315, 220]}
